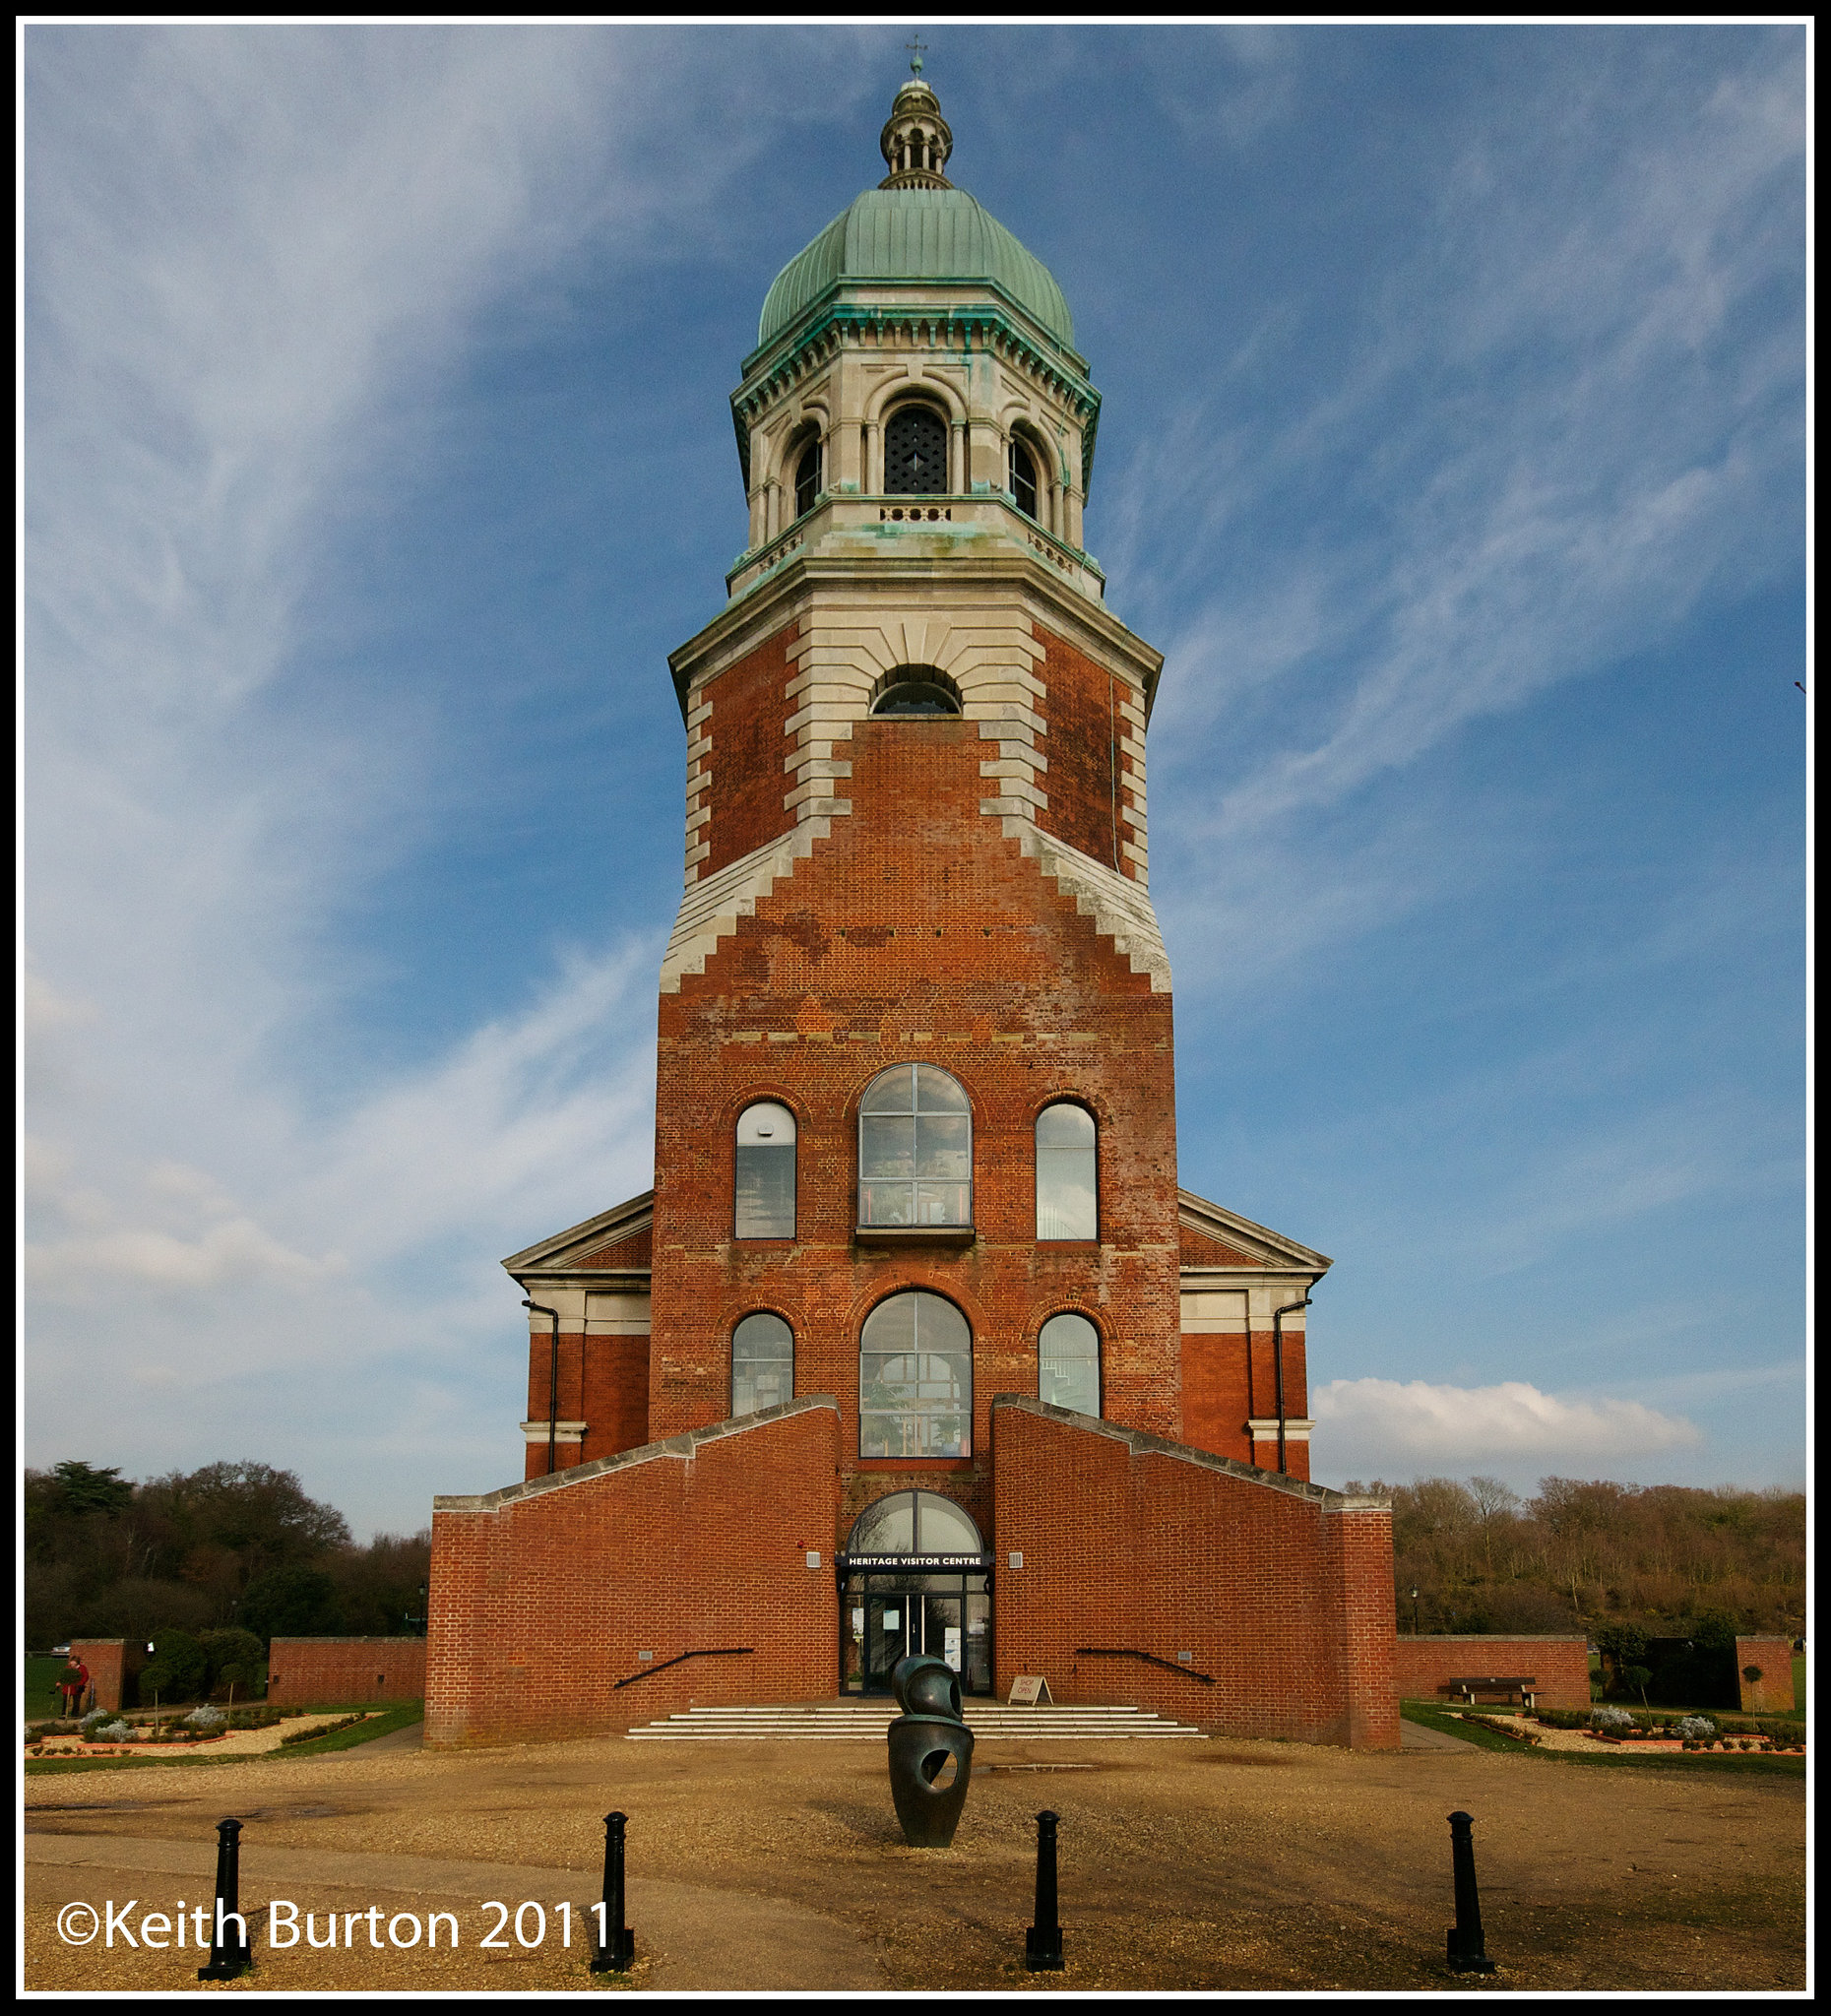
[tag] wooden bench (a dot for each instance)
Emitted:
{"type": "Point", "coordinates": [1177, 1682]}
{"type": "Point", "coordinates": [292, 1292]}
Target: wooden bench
{"type": "Point", "coordinates": [1515, 1692]}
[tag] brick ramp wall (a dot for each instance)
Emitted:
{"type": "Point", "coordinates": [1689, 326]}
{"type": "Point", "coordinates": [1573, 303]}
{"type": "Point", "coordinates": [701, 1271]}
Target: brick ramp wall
{"type": "Point", "coordinates": [315, 1671]}
{"type": "Point", "coordinates": [1279, 1590]}
{"type": "Point", "coordinates": [1560, 1666]}
{"type": "Point", "coordinates": [544, 1594]}
{"type": "Point", "coordinates": [1772, 1693]}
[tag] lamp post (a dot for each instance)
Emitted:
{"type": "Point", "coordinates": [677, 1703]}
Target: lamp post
{"type": "Point", "coordinates": [1414, 1614]}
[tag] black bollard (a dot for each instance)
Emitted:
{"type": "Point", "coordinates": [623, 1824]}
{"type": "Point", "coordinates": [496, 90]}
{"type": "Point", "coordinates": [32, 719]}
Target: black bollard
{"type": "Point", "coordinates": [617, 1943]}
{"type": "Point", "coordinates": [1467, 1952]}
{"type": "Point", "coordinates": [231, 1951]}
{"type": "Point", "coordinates": [1042, 1942]}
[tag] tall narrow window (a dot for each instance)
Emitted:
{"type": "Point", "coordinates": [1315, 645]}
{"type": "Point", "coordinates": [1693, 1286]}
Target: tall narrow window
{"type": "Point", "coordinates": [1067, 1156]}
{"type": "Point", "coordinates": [1023, 480]}
{"type": "Point", "coordinates": [1068, 1363]}
{"type": "Point", "coordinates": [808, 478]}
{"type": "Point", "coordinates": [915, 453]}
{"type": "Point", "coordinates": [765, 1172]}
{"type": "Point", "coordinates": [915, 1378]}
{"type": "Point", "coordinates": [914, 1149]}
{"type": "Point", "coordinates": [762, 1364]}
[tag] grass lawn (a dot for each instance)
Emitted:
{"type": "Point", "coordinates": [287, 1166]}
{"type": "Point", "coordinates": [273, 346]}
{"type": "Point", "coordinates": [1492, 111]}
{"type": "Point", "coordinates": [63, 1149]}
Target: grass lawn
{"type": "Point", "coordinates": [42, 1672]}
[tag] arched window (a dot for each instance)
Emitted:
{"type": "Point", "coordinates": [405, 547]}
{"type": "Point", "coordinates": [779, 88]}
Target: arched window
{"type": "Point", "coordinates": [762, 1364]}
{"type": "Point", "coordinates": [764, 1173]}
{"type": "Point", "coordinates": [1023, 478]}
{"type": "Point", "coordinates": [1067, 1156]}
{"type": "Point", "coordinates": [915, 1378]}
{"type": "Point", "coordinates": [915, 453]}
{"type": "Point", "coordinates": [1068, 1363]}
{"type": "Point", "coordinates": [915, 1523]}
{"type": "Point", "coordinates": [914, 1149]}
{"type": "Point", "coordinates": [916, 689]}
{"type": "Point", "coordinates": [808, 477]}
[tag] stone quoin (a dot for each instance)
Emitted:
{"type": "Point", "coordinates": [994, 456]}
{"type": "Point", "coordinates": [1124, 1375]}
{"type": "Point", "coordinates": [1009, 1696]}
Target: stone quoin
{"type": "Point", "coordinates": [916, 1345]}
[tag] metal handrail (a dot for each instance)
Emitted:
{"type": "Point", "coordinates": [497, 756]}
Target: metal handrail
{"type": "Point", "coordinates": [704, 1652]}
{"type": "Point", "coordinates": [1169, 1666]}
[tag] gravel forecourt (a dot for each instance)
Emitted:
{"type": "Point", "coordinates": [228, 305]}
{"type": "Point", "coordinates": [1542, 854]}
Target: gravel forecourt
{"type": "Point", "coordinates": [1239, 1865]}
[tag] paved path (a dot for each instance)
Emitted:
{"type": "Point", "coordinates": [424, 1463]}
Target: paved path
{"type": "Point", "coordinates": [1413, 1735]}
{"type": "Point", "coordinates": [697, 1936]}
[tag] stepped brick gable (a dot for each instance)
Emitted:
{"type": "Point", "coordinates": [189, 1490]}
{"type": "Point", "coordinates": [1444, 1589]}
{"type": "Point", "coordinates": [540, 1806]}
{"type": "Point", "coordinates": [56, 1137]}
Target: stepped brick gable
{"type": "Point", "coordinates": [916, 1344]}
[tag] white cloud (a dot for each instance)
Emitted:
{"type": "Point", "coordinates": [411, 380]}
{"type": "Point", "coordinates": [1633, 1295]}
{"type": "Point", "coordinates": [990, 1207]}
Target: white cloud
{"type": "Point", "coordinates": [1388, 1424]}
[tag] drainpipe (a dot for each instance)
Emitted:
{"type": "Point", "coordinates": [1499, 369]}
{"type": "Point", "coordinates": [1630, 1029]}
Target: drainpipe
{"type": "Point", "coordinates": [1278, 1367]}
{"type": "Point", "coordinates": [552, 1396]}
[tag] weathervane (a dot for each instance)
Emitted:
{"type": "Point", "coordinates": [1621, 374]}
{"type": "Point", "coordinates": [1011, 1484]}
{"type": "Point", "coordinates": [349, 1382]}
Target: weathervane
{"type": "Point", "coordinates": [916, 50]}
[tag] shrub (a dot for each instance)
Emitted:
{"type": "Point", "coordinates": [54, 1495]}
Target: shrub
{"type": "Point", "coordinates": [1753, 1674]}
{"type": "Point", "coordinates": [329, 1728]}
{"type": "Point", "coordinates": [1696, 1728]}
{"type": "Point", "coordinates": [178, 1670]}
{"type": "Point", "coordinates": [1612, 1719]}
{"type": "Point", "coordinates": [205, 1718]}
{"type": "Point", "coordinates": [113, 1732]}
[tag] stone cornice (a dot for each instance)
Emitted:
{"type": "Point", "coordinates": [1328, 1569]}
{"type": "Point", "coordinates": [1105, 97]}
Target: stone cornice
{"type": "Point", "coordinates": [769, 606]}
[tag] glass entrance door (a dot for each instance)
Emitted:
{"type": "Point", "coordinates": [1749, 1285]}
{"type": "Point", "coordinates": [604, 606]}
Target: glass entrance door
{"type": "Point", "coordinates": [889, 1624]}
{"type": "Point", "coordinates": [891, 1631]}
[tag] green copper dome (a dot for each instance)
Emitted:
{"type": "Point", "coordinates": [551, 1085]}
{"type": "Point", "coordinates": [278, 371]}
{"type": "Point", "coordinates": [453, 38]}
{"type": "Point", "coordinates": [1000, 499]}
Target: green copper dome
{"type": "Point", "coordinates": [912, 233]}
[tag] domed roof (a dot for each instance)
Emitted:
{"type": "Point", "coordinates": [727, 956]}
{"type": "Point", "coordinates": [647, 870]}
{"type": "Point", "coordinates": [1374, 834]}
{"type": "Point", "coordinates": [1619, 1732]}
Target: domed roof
{"type": "Point", "coordinates": [939, 234]}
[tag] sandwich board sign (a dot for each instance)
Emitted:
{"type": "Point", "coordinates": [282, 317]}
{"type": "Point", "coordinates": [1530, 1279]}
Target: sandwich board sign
{"type": "Point", "coordinates": [1030, 1690]}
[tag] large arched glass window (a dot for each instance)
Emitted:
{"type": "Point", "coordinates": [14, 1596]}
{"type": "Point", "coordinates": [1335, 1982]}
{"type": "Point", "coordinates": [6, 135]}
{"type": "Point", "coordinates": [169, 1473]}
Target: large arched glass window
{"type": "Point", "coordinates": [915, 690]}
{"type": "Point", "coordinates": [915, 1523]}
{"type": "Point", "coordinates": [915, 1378]}
{"type": "Point", "coordinates": [764, 1173]}
{"type": "Point", "coordinates": [1023, 478]}
{"type": "Point", "coordinates": [1068, 1363]}
{"type": "Point", "coordinates": [914, 1149]}
{"type": "Point", "coordinates": [1068, 1168]}
{"type": "Point", "coordinates": [914, 453]}
{"type": "Point", "coordinates": [762, 1364]}
{"type": "Point", "coordinates": [807, 483]}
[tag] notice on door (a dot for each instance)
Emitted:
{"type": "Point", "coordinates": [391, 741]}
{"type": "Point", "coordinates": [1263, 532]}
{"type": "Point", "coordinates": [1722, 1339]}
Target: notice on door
{"type": "Point", "coordinates": [893, 1620]}
{"type": "Point", "coordinates": [950, 1647]}
{"type": "Point", "coordinates": [857, 1623]}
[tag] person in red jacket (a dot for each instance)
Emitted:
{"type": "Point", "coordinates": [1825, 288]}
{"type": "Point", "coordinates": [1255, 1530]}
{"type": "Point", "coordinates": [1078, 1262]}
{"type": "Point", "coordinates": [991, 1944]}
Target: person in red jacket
{"type": "Point", "coordinates": [73, 1684]}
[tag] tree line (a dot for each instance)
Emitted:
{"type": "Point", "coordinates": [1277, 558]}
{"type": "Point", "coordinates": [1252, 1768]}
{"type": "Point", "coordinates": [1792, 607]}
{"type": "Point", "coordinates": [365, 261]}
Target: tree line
{"type": "Point", "coordinates": [232, 1546]}
{"type": "Point", "coordinates": [1664, 1559]}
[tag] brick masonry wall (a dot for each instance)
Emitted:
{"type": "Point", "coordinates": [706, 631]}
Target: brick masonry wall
{"type": "Point", "coordinates": [324, 1672]}
{"type": "Point", "coordinates": [1772, 1693]}
{"type": "Point", "coordinates": [741, 781]}
{"type": "Point", "coordinates": [109, 1667]}
{"type": "Point", "coordinates": [1280, 1593]}
{"type": "Point", "coordinates": [543, 1596]}
{"type": "Point", "coordinates": [917, 930]}
{"type": "Point", "coordinates": [1561, 1664]}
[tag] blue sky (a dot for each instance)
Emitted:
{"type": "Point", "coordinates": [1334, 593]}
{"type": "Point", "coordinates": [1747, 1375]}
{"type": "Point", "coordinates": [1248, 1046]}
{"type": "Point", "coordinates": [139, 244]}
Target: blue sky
{"type": "Point", "coordinates": [1453, 452]}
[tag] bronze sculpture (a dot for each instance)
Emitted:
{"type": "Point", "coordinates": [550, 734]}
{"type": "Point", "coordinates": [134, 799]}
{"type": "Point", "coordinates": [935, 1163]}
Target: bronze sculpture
{"type": "Point", "coordinates": [930, 1751]}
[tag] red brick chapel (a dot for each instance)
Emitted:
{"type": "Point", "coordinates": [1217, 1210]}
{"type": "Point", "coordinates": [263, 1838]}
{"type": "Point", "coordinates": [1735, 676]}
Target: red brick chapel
{"type": "Point", "coordinates": [915, 1344]}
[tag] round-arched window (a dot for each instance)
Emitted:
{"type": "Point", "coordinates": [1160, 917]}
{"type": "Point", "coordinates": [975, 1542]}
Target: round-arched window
{"type": "Point", "coordinates": [1067, 1171]}
{"type": "Point", "coordinates": [1023, 478]}
{"type": "Point", "coordinates": [807, 474]}
{"type": "Point", "coordinates": [914, 453]}
{"type": "Point", "coordinates": [915, 1523]}
{"type": "Point", "coordinates": [762, 1362]}
{"type": "Point", "coordinates": [915, 1378]}
{"type": "Point", "coordinates": [1068, 1363]}
{"type": "Point", "coordinates": [765, 1201]}
{"type": "Point", "coordinates": [917, 690]}
{"type": "Point", "coordinates": [914, 1149]}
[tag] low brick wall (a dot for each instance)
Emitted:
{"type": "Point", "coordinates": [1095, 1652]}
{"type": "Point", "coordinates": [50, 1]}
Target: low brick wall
{"type": "Point", "coordinates": [1279, 1592]}
{"type": "Point", "coordinates": [545, 1594]}
{"type": "Point", "coordinates": [1772, 1693]}
{"type": "Point", "coordinates": [1560, 1666]}
{"type": "Point", "coordinates": [112, 1665]}
{"type": "Point", "coordinates": [312, 1671]}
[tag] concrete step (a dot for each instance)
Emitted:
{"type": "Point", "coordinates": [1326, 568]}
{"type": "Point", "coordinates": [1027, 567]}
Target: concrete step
{"type": "Point", "coordinates": [844, 1722]}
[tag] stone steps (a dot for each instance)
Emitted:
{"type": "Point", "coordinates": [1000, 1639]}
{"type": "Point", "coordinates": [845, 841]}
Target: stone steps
{"type": "Point", "coordinates": [850, 1721]}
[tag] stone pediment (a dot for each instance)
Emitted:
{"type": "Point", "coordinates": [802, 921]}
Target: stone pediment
{"type": "Point", "coordinates": [1215, 1240]}
{"type": "Point", "coordinates": [615, 1242]}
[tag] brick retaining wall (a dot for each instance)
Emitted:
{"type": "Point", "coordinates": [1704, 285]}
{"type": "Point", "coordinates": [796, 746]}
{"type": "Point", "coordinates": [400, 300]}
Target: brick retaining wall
{"type": "Point", "coordinates": [312, 1671]}
{"type": "Point", "coordinates": [1561, 1664]}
